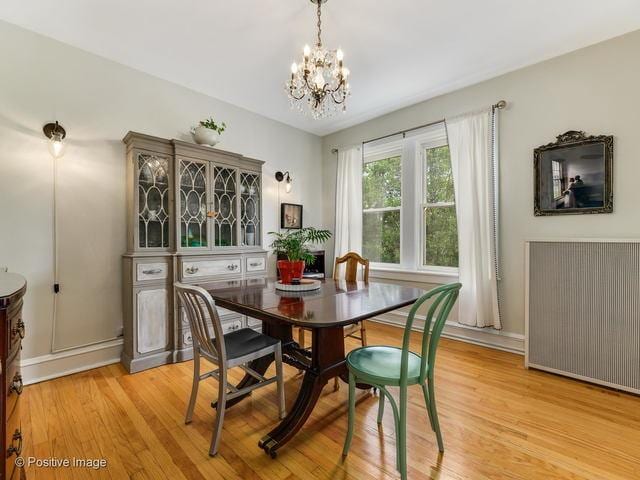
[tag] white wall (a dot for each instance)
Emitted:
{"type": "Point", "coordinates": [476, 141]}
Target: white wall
{"type": "Point", "coordinates": [596, 89]}
{"type": "Point", "coordinates": [98, 101]}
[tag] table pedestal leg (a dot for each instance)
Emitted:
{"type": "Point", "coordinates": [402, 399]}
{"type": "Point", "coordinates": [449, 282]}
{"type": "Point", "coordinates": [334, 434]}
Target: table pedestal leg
{"type": "Point", "coordinates": [327, 361]}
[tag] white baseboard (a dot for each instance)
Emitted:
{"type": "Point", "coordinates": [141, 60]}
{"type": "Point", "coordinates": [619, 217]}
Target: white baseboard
{"type": "Point", "coordinates": [54, 365]}
{"type": "Point", "coordinates": [486, 337]}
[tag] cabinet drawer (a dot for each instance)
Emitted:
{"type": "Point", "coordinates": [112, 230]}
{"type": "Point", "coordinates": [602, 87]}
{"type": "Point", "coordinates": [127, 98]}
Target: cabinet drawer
{"type": "Point", "coordinates": [223, 313]}
{"type": "Point", "coordinates": [210, 268]}
{"type": "Point", "coordinates": [256, 264]}
{"type": "Point", "coordinates": [14, 441]}
{"type": "Point", "coordinates": [232, 326]}
{"type": "Point", "coordinates": [16, 334]}
{"type": "Point", "coordinates": [253, 323]}
{"type": "Point", "coordinates": [227, 327]}
{"type": "Point", "coordinates": [15, 308]}
{"type": "Point", "coordinates": [151, 271]}
{"type": "Point", "coordinates": [13, 386]}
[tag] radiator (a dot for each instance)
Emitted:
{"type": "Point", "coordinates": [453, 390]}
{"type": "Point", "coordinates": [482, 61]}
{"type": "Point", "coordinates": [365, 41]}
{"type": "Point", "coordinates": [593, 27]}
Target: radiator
{"type": "Point", "coordinates": [582, 311]}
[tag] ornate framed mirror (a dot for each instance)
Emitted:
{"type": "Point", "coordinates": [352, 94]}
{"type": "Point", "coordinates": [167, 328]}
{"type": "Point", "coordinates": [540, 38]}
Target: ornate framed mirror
{"type": "Point", "coordinates": [574, 175]}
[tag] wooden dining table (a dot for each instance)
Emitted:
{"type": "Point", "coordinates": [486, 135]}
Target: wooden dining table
{"type": "Point", "coordinates": [325, 312]}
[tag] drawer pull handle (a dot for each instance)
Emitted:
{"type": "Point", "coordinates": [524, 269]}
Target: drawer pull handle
{"type": "Point", "coordinates": [13, 448]}
{"type": "Point", "coordinates": [256, 264]}
{"type": "Point", "coordinates": [153, 271]}
{"type": "Point", "coordinates": [16, 384]}
{"type": "Point", "coordinates": [191, 270]}
{"type": "Point", "coordinates": [19, 329]}
{"type": "Point", "coordinates": [232, 266]}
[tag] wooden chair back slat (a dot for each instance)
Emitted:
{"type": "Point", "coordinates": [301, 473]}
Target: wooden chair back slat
{"type": "Point", "coordinates": [352, 261]}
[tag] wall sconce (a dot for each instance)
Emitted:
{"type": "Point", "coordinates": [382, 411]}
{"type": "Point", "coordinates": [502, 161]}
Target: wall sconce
{"type": "Point", "coordinates": [282, 176]}
{"type": "Point", "coordinates": [55, 133]}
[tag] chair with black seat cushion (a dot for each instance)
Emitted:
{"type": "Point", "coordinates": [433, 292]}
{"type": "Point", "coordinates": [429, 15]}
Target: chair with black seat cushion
{"type": "Point", "coordinates": [234, 349]}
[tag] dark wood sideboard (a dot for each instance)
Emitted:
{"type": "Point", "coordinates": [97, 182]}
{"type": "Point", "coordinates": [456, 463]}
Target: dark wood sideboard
{"type": "Point", "coordinates": [12, 290]}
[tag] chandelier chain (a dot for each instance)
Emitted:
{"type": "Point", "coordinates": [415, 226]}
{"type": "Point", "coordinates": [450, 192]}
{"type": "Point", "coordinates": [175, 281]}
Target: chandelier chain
{"type": "Point", "coordinates": [319, 13]}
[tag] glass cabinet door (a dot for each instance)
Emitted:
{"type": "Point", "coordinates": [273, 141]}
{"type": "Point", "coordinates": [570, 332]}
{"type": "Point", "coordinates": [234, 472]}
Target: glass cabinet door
{"type": "Point", "coordinates": [153, 201]}
{"type": "Point", "coordinates": [250, 209]}
{"type": "Point", "coordinates": [193, 204]}
{"type": "Point", "coordinates": [225, 206]}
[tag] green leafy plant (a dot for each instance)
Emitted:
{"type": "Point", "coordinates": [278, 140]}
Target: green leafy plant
{"type": "Point", "coordinates": [211, 124]}
{"type": "Point", "coordinates": [295, 243]}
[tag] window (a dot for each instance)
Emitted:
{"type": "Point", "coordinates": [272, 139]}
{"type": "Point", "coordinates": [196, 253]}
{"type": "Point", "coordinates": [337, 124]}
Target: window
{"type": "Point", "coordinates": [440, 226]}
{"type": "Point", "coordinates": [557, 179]}
{"type": "Point", "coordinates": [408, 202]}
{"type": "Point", "coordinates": [381, 203]}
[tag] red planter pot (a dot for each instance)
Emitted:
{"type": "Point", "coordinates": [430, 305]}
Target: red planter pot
{"type": "Point", "coordinates": [289, 270]}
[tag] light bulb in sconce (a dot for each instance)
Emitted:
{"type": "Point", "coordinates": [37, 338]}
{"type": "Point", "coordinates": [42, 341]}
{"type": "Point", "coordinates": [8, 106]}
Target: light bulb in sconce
{"type": "Point", "coordinates": [56, 134]}
{"type": "Point", "coordinates": [288, 183]}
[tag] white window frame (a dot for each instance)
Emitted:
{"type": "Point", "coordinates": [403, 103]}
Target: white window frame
{"type": "Point", "coordinates": [412, 151]}
{"type": "Point", "coordinates": [423, 147]}
{"type": "Point", "coordinates": [374, 155]}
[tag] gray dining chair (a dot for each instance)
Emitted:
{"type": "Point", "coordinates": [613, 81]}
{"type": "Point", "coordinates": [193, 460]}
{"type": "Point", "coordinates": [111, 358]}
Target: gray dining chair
{"type": "Point", "coordinates": [234, 349]}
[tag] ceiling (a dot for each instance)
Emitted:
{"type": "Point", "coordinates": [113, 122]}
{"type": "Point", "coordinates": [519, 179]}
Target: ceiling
{"type": "Point", "coordinates": [399, 52]}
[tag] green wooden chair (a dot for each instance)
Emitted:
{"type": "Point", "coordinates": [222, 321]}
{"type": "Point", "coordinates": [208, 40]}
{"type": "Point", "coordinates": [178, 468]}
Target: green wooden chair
{"type": "Point", "coordinates": [382, 366]}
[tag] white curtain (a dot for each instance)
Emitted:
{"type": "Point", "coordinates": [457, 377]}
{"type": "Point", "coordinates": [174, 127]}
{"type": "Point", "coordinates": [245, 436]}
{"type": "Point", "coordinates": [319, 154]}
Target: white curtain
{"type": "Point", "coordinates": [471, 161]}
{"type": "Point", "coordinates": [348, 232]}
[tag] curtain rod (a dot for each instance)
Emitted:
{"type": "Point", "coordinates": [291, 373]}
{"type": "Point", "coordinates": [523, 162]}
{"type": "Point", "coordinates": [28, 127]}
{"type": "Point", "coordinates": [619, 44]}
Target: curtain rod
{"type": "Point", "coordinates": [499, 105]}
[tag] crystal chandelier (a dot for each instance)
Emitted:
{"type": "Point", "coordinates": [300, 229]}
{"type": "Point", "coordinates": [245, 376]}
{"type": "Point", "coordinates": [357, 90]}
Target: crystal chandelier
{"type": "Point", "coordinates": [320, 79]}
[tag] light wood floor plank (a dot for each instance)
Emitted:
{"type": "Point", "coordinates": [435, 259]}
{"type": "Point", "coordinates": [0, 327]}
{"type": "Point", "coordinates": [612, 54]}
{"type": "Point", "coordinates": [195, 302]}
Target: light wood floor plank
{"type": "Point", "coordinates": [499, 421]}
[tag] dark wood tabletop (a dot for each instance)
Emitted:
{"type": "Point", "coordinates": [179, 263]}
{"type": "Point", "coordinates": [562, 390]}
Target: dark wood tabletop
{"type": "Point", "coordinates": [324, 312]}
{"type": "Point", "coordinates": [336, 303]}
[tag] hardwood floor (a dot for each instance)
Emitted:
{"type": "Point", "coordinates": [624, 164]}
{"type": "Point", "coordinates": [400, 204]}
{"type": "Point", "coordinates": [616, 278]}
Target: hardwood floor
{"type": "Point", "coordinates": [498, 421]}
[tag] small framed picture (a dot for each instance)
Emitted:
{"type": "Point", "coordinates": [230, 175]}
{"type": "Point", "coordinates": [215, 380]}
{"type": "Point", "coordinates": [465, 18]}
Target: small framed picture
{"type": "Point", "coordinates": [290, 215]}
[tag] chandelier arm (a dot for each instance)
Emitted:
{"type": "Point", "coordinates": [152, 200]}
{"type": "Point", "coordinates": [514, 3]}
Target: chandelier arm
{"type": "Point", "coordinates": [296, 98]}
{"type": "Point", "coordinates": [306, 83]}
{"type": "Point", "coordinates": [339, 102]}
{"type": "Point", "coordinates": [338, 87]}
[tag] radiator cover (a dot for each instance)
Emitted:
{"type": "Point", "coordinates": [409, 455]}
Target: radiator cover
{"type": "Point", "coordinates": [583, 310]}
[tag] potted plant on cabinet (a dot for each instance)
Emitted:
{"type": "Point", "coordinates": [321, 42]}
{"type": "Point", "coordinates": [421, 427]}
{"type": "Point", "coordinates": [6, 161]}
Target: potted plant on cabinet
{"type": "Point", "coordinates": [208, 132]}
{"type": "Point", "coordinates": [294, 244]}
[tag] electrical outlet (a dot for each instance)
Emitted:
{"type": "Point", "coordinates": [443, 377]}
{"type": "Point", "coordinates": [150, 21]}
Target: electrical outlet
{"type": "Point", "coordinates": [4, 269]}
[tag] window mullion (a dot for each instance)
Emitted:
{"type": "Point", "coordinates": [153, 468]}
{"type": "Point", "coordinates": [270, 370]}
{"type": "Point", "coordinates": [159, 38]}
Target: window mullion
{"type": "Point", "coordinates": [410, 198]}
